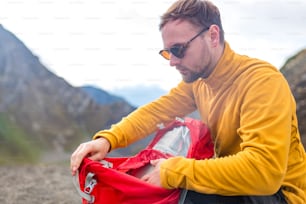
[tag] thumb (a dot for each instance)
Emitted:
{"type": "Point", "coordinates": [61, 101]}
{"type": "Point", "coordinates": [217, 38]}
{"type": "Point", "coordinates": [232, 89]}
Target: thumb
{"type": "Point", "coordinates": [96, 157]}
{"type": "Point", "coordinates": [156, 162]}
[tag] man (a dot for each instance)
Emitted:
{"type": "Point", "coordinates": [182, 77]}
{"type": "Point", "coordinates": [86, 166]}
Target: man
{"type": "Point", "coordinates": [246, 103]}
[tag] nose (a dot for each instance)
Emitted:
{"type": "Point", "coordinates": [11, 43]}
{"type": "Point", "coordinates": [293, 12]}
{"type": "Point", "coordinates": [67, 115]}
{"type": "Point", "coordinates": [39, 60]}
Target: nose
{"type": "Point", "coordinates": [174, 61]}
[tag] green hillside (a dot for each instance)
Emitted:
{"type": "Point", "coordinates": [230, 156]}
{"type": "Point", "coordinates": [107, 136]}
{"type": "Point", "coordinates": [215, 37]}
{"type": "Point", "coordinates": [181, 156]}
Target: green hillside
{"type": "Point", "coordinates": [15, 146]}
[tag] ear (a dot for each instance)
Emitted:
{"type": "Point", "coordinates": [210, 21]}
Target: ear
{"type": "Point", "coordinates": [214, 32]}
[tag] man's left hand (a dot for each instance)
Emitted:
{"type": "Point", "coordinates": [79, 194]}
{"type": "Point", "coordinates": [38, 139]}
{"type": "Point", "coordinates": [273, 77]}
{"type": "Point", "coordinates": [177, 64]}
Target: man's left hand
{"type": "Point", "coordinates": [154, 176]}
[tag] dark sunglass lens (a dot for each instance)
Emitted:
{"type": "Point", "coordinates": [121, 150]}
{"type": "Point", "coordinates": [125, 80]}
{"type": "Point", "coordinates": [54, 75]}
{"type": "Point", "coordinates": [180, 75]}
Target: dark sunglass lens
{"type": "Point", "coordinates": [177, 51]}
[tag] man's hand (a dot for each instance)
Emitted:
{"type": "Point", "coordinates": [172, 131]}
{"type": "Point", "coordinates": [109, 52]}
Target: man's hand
{"type": "Point", "coordinates": [95, 150]}
{"type": "Point", "coordinates": [153, 177]}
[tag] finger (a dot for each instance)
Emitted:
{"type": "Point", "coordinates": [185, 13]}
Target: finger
{"type": "Point", "coordinates": [77, 157]}
{"type": "Point", "coordinates": [97, 149]}
{"type": "Point", "coordinates": [144, 178]}
{"type": "Point", "coordinates": [96, 157]}
{"type": "Point", "coordinates": [156, 162]}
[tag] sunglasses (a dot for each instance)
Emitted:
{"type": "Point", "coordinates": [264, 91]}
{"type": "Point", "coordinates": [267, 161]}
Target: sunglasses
{"type": "Point", "coordinates": [179, 50]}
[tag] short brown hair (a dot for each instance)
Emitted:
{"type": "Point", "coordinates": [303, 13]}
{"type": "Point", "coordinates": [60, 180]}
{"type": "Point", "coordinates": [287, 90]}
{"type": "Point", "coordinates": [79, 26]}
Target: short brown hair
{"type": "Point", "coordinates": [201, 13]}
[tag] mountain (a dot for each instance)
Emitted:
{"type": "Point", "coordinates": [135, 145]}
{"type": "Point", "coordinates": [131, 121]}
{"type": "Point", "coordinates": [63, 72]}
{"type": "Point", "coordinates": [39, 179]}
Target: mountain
{"type": "Point", "coordinates": [139, 95]}
{"type": "Point", "coordinates": [43, 116]}
{"type": "Point", "coordinates": [100, 96]}
{"type": "Point", "coordinates": [103, 97]}
{"type": "Point", "coordinates": [294, 71]}
{"type": "Point", "coordinates": [39, 111]}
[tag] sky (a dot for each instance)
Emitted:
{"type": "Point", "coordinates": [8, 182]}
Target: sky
{"type": "Point", "coordinates": [115, 43]}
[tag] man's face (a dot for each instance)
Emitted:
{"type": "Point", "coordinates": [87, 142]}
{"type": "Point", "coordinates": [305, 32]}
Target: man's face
{"type": "Point", "coordinates": [196, 58]}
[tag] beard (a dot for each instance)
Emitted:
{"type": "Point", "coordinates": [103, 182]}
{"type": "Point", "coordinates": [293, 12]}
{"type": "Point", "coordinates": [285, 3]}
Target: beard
{"type": "Point", "coordinates": [189, 76]}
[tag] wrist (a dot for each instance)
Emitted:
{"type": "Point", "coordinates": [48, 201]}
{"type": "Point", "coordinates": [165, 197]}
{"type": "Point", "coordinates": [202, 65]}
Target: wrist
{"type": "Point", "coordinates": [105, 142]}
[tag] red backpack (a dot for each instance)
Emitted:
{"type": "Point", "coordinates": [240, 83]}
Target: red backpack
{"type": "Point", "coordinates": [116, 180]}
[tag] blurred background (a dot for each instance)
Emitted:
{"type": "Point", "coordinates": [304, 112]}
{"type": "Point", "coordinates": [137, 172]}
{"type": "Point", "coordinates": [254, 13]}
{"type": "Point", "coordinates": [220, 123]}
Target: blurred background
{"type": "Point", "coordinates": [114, 45]}
{"type": "Point", "coordinates": [72, 67]}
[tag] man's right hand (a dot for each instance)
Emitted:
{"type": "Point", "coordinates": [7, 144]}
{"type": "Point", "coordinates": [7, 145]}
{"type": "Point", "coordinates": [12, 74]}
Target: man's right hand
{"type": "Point", "coordinates": [94, 150]}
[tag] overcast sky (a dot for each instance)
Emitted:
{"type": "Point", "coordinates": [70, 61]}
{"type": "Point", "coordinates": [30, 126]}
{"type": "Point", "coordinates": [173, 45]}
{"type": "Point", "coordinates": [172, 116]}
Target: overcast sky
{"type": "Point", "coordinates": [115, 43]}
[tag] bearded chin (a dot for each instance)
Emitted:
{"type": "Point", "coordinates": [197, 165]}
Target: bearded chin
{"type": "Point", "coordinates": [193, 76]}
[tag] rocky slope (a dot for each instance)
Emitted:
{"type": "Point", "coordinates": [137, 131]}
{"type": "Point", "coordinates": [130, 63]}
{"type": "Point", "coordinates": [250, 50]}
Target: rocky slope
{"type": "Point", "coordinates": [39, 111]}
{"type": "Point", "coordinates": [294, 71]}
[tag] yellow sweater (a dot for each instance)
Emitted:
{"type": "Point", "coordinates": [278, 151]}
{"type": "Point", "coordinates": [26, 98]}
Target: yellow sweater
{"type": "Point", "coordinates": [251, 113]}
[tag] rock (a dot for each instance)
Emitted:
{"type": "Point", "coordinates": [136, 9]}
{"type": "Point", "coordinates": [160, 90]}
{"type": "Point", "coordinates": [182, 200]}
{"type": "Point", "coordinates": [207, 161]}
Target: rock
{"type": "Point", "coordinates": [294, 71]}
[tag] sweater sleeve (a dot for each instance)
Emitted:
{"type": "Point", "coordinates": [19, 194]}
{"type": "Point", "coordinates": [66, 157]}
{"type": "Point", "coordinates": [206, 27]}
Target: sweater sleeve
{"type": "Point", "coordinates": [143, 121]}
{"type": "Point", "coordinates": [260, 165]}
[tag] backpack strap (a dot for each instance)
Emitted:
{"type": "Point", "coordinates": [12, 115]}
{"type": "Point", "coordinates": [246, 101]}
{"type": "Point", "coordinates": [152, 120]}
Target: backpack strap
{"type": "Point", "coordinates": [183, 196]}
{"type": "Point", "coordinates": [89, 184]}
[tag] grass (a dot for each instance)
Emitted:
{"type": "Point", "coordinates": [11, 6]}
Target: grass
{"type": "Point", "coordinates": [15, 145]}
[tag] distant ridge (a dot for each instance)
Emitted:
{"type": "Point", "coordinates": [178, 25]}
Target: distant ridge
{"type": "Point", "coordinates": [139, 95]}
{"type": "Point", "coordinates": [100, 96]}
{"type": "Point", "coordinates": [40, 112]}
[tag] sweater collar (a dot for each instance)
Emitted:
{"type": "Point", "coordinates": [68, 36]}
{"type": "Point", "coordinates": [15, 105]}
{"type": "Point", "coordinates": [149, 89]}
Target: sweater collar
{"type": "Point", "coordinates": [224, 70]}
